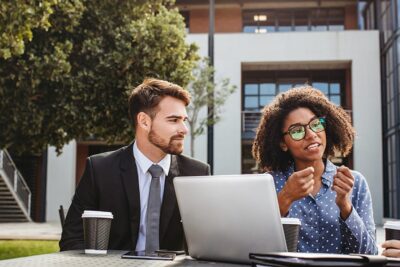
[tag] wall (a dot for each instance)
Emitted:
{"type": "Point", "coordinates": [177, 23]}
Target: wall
{"type": "Point", "coordinates": [60, 179]}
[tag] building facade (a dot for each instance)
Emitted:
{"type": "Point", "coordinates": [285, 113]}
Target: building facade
{"type": "Point", "coordinates": [264, 48]}
{"type": "Point", "coordinates": [384, 16]}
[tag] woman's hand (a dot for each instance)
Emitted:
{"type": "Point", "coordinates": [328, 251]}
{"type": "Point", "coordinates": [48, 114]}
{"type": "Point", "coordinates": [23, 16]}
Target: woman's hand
{"type": "Point", "coordinates": [298, 185]}
{"type": "Point", "coordinates": [343, 184]}
{"type": "Point", "coordinates": [392, 248]}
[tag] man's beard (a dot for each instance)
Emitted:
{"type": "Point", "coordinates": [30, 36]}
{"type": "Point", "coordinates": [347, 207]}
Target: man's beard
{"type": "Point", "coordinates": [170, 147]}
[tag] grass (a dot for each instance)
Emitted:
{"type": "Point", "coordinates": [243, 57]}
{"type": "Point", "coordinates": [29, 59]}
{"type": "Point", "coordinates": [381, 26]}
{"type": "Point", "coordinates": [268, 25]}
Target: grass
{"type": "Point", "coordinates": [21, 248]}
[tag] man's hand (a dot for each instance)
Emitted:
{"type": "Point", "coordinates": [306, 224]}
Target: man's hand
{"type": "Point", "coordinates": [343, 182]}
{"type": "Point", "coordinates": [392, 248]}
{"type": "Point", "coordinates": [298, 185]}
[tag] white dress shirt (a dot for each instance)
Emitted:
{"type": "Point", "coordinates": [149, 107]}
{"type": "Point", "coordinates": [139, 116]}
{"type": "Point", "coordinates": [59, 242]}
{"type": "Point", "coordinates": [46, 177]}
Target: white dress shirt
{"type": "Point", "coordinates": [143, 164]}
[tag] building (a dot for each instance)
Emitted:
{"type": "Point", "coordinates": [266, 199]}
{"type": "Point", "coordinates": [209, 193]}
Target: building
{"type": "Point", "coordinates": [268, 46]}
{"type": "Point", "coordinates": [384, 16]}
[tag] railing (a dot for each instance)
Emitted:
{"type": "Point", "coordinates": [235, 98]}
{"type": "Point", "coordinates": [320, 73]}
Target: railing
{"type": "Point", "coordinates": [250, 121]}
{"type": "Point", "coordinates": [15, 182]}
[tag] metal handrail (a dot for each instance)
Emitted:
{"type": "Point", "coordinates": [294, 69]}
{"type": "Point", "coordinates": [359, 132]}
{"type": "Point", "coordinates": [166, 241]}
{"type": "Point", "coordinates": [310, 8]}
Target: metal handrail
{"type": "Point", "coordinates": [250, 120]}
{"type": "Point", "coordinates": [15, 182]}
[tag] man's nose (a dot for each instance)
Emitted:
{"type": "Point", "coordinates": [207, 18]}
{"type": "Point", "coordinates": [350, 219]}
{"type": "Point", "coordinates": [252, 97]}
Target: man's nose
{"type": "Point", "coordinates": [183, 129]}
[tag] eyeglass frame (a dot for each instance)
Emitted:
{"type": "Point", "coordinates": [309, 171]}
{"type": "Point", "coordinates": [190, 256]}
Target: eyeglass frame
{"type": "Point", "coordinates": [321, 119]}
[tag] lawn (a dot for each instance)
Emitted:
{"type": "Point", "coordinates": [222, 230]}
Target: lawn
{"type": "Point", "coordinates": [20, 248]}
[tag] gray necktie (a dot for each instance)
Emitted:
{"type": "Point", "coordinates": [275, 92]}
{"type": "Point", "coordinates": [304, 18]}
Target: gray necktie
{"type": "Point", "coordinates": [153, 210]}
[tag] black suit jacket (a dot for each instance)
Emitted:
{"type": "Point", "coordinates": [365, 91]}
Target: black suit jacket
{"type": "Point", "coordinates": [110, 183]}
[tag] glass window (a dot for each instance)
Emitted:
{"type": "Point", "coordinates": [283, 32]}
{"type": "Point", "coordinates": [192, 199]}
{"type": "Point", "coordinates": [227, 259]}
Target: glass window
{"type": "Point", "coordinates": [398, 13]}
{"type": "Point", "coordinates": [323, 87]}
{"type": "Point", "coordinates": [335, 88]}
{"type": "Point", "coordinates": [283, 87]}
{"type": "Point", "coordinates": [398, 47]}
{"type": "Point", "coordinates": [251, 89]}
{"type": "Point", "coordinates": [267, 89]}
{"type": "Point", "coordinates": [186, 18]}
{"type": "Point", "coordinates": [264, 100]}
{"type": "Point", "coordinates": [301, 20]}
{"type": "Point", "coordinates": [319, 20]}
{"type": "Point", "coordinates": [336, 19]}
{"type": "Point", "coordinates": [249, 29]}
{"type": "Point", "coordinates": [335, 99]}
{"type": "Point", "coordinates": [284, 20]}
{"type": "Point", "coordinates": [336, 27]}
{"type": "Point", "coordinates": [370, 16]}
{"type": "Point", "coordinates": [251, 102]}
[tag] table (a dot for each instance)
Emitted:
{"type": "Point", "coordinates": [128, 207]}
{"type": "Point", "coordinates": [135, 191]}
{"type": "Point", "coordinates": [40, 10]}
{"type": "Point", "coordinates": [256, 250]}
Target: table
{"type": "Point", "coordinates": [113, 258]}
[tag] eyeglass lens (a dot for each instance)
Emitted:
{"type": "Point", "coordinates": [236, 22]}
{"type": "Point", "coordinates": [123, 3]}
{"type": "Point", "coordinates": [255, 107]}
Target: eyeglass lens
{"type": "Point", "coordinates": [298, 132]}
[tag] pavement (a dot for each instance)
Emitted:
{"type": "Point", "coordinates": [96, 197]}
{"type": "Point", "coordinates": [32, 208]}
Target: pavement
{"type": "Point", "coordinates": [52, 231]}
{"type": "Point", "coordinates": [30, 231]}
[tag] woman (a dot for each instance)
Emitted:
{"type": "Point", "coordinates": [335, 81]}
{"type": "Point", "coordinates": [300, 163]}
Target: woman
{"type": "Point", "coordinates": [297, 134]}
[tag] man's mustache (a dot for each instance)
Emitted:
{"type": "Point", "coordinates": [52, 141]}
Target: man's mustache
{"type": "Point", "coordinates": [178, 137]}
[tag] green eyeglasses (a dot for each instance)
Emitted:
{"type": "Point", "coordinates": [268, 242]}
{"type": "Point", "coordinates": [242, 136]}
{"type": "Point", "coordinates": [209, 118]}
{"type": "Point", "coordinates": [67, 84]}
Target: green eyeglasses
{"type": "Point", "coordinates": [298, 131]}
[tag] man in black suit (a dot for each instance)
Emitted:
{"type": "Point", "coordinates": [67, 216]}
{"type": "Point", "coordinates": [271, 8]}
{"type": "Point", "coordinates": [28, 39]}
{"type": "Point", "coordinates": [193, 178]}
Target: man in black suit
{"type": "Point", "coordinates": [120, 181]}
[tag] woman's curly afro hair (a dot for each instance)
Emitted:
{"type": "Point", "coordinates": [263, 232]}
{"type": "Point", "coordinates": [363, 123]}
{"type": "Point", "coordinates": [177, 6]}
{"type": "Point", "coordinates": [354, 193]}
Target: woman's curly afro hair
{"type": "Point", "coordinates": [266, 147]}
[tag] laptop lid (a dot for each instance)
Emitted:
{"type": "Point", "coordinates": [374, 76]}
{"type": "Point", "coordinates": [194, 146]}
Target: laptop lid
{"type": "Point", "coordinates": [225, 217]}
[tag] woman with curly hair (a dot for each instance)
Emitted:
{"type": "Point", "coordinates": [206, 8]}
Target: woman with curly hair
{"type": "Point", "coordinates": [297, 134]}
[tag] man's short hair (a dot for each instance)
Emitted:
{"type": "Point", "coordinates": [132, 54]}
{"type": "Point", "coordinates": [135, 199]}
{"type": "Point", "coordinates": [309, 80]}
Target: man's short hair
{"type": "Point", "coordinates": [147, 96]}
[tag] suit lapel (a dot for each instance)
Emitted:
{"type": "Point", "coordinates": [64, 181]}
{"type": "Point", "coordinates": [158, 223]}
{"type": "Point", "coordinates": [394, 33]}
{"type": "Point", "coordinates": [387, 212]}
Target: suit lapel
{"type": "Point", "coordinates": [169, 203]}
{"type": "Point", "coordinates": [130, 182]}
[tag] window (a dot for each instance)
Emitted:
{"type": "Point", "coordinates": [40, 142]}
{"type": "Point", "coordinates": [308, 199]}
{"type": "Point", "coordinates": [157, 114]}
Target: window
{"type": "Point", "coordinates": [258, 92]}
{"type": "Point", "coordinates": [186, 17]}
{"type": "Point", "coordinates": [285, 20]}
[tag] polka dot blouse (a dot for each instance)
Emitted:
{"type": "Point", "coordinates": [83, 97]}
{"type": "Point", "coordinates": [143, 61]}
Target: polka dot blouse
{"type": "Point", "coordinates": [322, 230]}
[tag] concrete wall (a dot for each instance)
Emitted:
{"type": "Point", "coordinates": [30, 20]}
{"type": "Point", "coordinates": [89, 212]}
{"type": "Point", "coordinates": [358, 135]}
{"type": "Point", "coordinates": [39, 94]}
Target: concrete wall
{"type": "Point", "coordinates": [361, 48]}
{"type": "Point", "coordinates": [60, 180]}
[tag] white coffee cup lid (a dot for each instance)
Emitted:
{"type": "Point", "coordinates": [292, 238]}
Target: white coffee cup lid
{"type": "Point", "coordinates": [392, 225]}
{"type": "Point", "coordinates": [286, 220]}
{"type": "Point", "coordinates": [97, 214]}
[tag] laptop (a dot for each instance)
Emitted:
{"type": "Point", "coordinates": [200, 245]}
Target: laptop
{"type": "Point", "coordinates": [226, 217]}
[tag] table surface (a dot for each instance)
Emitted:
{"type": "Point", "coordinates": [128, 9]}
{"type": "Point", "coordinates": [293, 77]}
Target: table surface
{"type": "Point", "coordinates": [113, 258]}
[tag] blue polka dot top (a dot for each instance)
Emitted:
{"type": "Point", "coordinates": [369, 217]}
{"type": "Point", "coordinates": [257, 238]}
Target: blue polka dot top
{"type": "Point", "coordinates": [322, 230]}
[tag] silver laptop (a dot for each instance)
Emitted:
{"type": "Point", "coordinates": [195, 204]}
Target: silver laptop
{"type": "Point", "coordinates": [225, 217]}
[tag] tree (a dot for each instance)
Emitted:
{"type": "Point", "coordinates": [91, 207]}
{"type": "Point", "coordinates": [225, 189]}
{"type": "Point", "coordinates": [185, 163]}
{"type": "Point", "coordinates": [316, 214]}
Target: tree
{"type": "Point", "coordinates": [17, 20]}
{"type": "Point", "coordinates": [73, 79]}
{"type": "Point", "coordinates": [200, 88]}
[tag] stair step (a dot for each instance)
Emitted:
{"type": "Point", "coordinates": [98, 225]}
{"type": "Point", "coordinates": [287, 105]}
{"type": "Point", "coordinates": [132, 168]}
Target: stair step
{"type": "Point", "coordinates": [12, 220]}
{"type": "Point", "coordinates": [11, 212]}
{"type": "Point", "coordinates": [9, 207]}
{"type": "Point", "coordinates": [7, 201]}
{"type": "Point", "coordinates": [9, 197]}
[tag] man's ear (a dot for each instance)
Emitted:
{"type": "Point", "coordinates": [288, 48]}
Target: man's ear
{"type": "Point", "coordinates": [283, 146]}
{"type": "Point", "coordinates": [144, 121]}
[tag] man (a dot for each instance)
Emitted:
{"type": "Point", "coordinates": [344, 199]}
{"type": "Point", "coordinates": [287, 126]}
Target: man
{"type": "Point", "coordinates": [134, 179]}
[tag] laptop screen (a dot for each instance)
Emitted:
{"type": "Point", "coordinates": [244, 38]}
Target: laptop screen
{"type": "Point", "coordinates": [226, 217]}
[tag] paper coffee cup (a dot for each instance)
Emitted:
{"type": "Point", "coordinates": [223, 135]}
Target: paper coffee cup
{"type": "Point", "coordinates": [291, 228]}
{"type": "Point", "coordinates": [96, 228]}
{"type": "Point", "coordinates": [392, 230]}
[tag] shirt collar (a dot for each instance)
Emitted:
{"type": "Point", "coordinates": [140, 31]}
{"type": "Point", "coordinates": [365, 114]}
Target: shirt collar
{"type": "Point", "coordinates": [330, 171]}
{"type": "Point", "coordinates": [145, 163]}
